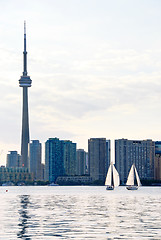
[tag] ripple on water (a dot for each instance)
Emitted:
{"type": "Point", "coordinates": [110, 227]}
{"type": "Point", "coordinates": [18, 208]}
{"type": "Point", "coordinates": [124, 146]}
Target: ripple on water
{"type": "Point", "coordinates": [64, 213]}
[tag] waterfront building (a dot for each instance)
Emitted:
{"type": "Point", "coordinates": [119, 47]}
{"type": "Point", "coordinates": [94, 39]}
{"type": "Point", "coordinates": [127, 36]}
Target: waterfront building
{"type": "Point", "coordinates": [25, 83]}
{"type": "Point", "coordinates": [108, 153]}
{"type": "Point", "coordinates": [15, 175]}
{"type": "Point", "coordinates": [139, 152]}
{"type": "Point", "coordinates": [73, 180]}
{"type": "Point", "coordinates": [69, 155]}
{"type": "Point", "coordinates": [158, 147]}
{"type": "Point", "coordinates": [158, 160]}
{"type": "Point", "coordinates": [35, 159]}
{"type": "Point", "coordinates": [98, 158]}
{"type": "Point", "coordinates": [60, 158]}
{"type": "Point", "coordinates": [87, 164]}
{"type": "Point", "coordinates": [42, 171]}
{"type": "Point", "coordinates": [54, 159]}
{"type": "Point", "coordinates": [81, 162]}
{"type": "Point", "coordinates": [13, 160]}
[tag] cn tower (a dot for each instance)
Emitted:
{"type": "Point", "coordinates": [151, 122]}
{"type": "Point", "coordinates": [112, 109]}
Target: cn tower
{"type": "Point", "coordinates": [25, 82]}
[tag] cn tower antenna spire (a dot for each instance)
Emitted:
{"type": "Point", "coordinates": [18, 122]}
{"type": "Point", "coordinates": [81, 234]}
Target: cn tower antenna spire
{"type": "Point", "coordinates": [25, 53]}
{"type": "Point", "coordinates": [24, 27]}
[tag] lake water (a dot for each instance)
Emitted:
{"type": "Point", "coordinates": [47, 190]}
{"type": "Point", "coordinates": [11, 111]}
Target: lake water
{"type": "Point", "coordinates": [79, 212]}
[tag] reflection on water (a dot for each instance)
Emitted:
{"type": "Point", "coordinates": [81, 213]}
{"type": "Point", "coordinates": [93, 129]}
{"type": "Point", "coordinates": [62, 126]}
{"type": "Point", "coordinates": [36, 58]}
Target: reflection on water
{"type": "Point", "coordinates": [23, 212]}
{"type": "Point", "coordinates": [79, 213]}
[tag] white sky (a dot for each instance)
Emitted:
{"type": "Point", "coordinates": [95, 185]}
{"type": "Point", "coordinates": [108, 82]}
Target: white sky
{"type": "Point", "coordinates": [95, 67]}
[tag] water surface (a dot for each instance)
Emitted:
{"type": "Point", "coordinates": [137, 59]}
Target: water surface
{"type": "Point", "coordinates": [79, 212]}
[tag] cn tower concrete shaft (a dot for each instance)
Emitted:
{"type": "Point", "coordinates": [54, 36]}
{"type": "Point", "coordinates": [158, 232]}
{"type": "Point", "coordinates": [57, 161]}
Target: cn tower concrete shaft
{"type": "Point", "coordinates": [25, 129]}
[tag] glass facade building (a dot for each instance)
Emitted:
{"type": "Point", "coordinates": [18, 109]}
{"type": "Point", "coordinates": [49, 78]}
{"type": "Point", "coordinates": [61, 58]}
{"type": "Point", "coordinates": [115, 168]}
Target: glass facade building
{"type": "Point", "coordinates": [60, 158]}
{"type": "Point", "coordinates": [54, 165]}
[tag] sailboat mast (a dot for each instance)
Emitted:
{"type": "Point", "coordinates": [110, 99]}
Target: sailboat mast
{"type": "Point", "coordinates": [112, 181]}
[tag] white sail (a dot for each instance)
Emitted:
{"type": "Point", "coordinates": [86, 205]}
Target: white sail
{"type": "Point", "coordinates": [108, 177]}
{"type": "Point", "coordinates": [112, 177]}
{"type": "Point", "coordinates": [137, 177]}
{"type": "Point", "coordinates": [130, 179]}
{"type": "Point", "coordinates": [116, 177]}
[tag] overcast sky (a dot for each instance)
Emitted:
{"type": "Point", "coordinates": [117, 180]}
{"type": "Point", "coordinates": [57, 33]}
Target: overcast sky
{"type": "Point", "coordinates": [95, 67]}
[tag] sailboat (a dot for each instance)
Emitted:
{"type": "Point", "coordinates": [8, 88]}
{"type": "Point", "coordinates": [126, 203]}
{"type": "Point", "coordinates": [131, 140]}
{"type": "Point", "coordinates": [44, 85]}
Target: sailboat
{"type": "Point", "coordinates": [112, 178]}
{"type": "Point", "coordinates": [133, 174]}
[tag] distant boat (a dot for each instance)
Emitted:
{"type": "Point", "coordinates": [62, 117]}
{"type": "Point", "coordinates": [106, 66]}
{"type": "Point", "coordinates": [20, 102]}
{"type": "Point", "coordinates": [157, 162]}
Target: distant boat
{"type": "Point", "coordinates": [112, 178]}
{"type": "Point", "coordinates": [133, 175]}
{"type": "Point", "coordinates": [53, 184]}
{"type": "Point", "coordinates": [8, 184]}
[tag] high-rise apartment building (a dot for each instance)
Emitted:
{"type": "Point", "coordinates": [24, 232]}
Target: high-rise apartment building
{"type": "Point", "coordinates": [108, 153]}
{"type": "Point", "coordinates": [81, 162]}
{"type": "Point", "coordinates": [98, 158]}
{"type": "Point", "coordinates": [87, 164]}
{"type": "Point", "coordinates": [54, 159]}
{"type": "Point", "coordinates": [25, 83]}
{"type": "Point", "coordinates": [13, 160]}
{"type": "Point", "coordinates": [141, 153]}
{"type": "Point", "coordinates": [42, 171]}
{"type": "Point", "coordinates": [35, 159]}
{"type": "Point", "coordinates": [69, 150]}
{"type": "Point", "coordinates": [60, 158]}
{"type": "Point", "coordinates": [158, 160]}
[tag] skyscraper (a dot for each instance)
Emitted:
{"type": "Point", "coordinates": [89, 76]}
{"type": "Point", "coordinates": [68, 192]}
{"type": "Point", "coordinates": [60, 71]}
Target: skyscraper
{"type": "Point", "coordinates": [54, 159]}
{"type": "Point", "coordinates": [158, 160]}
{"type": "Point", "coordinates": [13, 159]}
{"type": "Point", "coordinates": [141, 153]}
{"type": "Point", "coordinates": [60, 158]}
{"type": "Point", "coordinates": [69, 156]}
{"type": "Point", "coordinates": [25, 82]}
{"type": "Point", "coordinates": [108, 153]}
{"type": "Point", "coordinates": [98, 158]}
{"type": "Point", "coordinates": [81, 162]}
{"type": "Point", "coordinates": [35, 159]}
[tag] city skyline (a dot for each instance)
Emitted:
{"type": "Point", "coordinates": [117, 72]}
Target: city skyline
{"type": "Point", "coordinates": [95, 65]}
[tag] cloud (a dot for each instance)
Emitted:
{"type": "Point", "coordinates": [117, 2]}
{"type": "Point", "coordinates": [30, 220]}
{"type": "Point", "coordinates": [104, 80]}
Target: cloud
{"type": "Point", "coordinates": [95, 69]}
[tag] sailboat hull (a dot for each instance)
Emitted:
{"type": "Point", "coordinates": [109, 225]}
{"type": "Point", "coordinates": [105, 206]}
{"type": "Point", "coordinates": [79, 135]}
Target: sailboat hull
{"type": "Point", "coordinates": [132, 187]}
{"type": "Point", "coordinates": [110, 188]}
